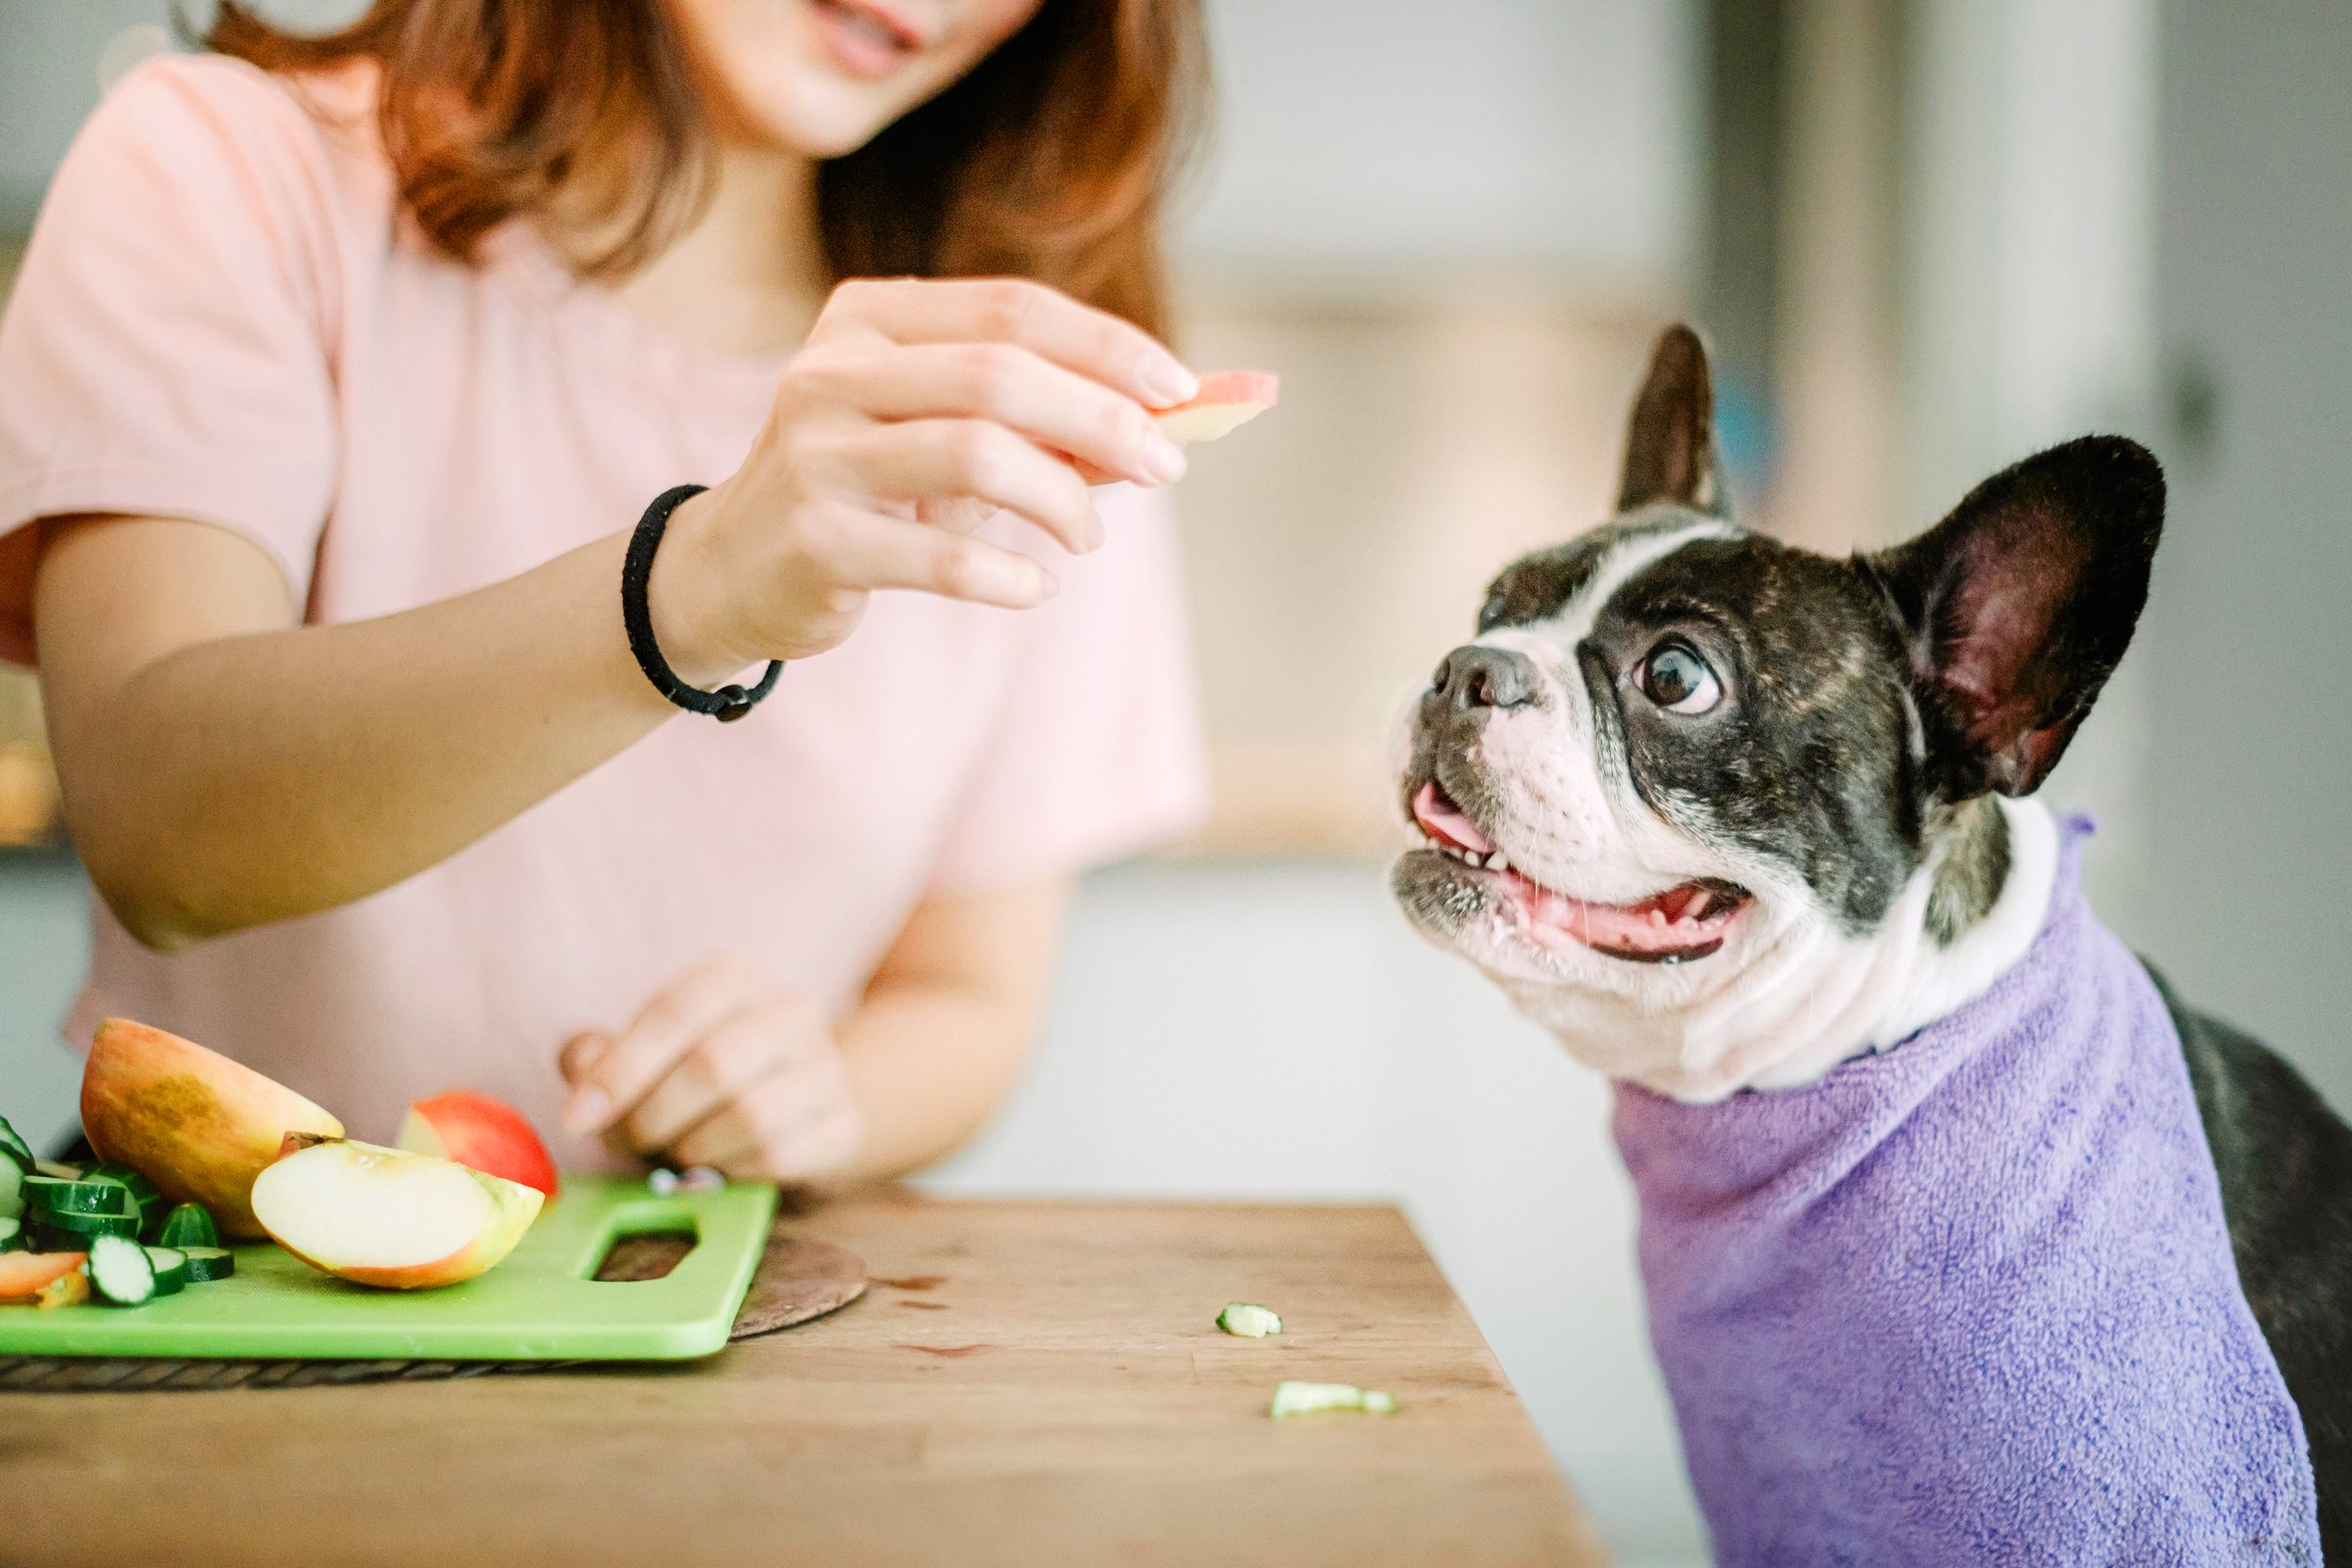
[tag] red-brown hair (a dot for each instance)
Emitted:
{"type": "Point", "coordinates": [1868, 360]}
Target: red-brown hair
{"type": "Point", "coordinates": [1050, 159]}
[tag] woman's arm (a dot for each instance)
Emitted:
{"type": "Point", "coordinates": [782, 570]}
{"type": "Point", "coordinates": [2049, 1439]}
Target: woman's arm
{"type": "Point", "coordinates": [224, 766]}
{"type": "Point", "coordinates": [947, 1021]}
{"type": "Point", "coordinates": [727, 1069]}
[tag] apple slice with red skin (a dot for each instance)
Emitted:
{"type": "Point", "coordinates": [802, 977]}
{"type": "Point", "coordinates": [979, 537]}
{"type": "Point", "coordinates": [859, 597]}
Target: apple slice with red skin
{"type": "Point", "coordinates": [198, 1125]}
{"type": "Point", "coordinates": [387, 1217]}
{"type": "Point", "coordinates": [24, 1275]}
{"type": "Point", "coordinates": [1227, 401]}
{"type": "Point", "coordinates": [482, 1134]}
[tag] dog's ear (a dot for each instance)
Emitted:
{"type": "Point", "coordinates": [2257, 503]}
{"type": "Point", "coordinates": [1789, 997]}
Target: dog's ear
{"type": "Point", "coordinates": [1670, 442]}
{"type": "Point", "coordinates": [2015, 610]}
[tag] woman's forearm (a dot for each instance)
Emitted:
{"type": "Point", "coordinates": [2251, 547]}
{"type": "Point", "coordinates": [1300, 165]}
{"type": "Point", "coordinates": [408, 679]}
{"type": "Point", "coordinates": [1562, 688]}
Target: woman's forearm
{"type": "Point", "coordinates": [926, 1066]}
{"type": "Point", "coordinates": [216, 782]}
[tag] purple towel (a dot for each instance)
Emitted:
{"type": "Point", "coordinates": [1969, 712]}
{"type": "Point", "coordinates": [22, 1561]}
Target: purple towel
{"type": "Point", "coordinates": [1971, 1299]}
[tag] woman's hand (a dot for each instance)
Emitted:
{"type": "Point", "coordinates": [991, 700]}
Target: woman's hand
{"type": "Point", "coordinates": [916, 408]}
{"type": "Point", "coordinates": [722, 1070]}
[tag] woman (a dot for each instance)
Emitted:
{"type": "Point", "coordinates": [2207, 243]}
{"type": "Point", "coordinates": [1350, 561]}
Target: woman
{"type": "Point", "coordinates": [336, 379]}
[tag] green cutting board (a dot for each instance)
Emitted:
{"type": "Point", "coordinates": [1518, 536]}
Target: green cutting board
{"type": "Point", "coordinates": [540, 1305]}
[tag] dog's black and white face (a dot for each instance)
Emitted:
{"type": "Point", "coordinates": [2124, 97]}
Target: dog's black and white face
{"type": "Point", "coordinates": [1696, 798]}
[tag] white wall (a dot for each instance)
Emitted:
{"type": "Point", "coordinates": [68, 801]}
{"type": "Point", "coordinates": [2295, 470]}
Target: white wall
{"type": "Point", "coordinates": [1388, 132]}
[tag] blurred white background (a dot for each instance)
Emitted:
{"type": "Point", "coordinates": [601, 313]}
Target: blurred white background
{"type": "Point", "coordinates": [1926, 236]}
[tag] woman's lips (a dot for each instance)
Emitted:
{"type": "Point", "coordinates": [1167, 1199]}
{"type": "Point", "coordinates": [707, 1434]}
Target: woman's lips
{"type": "Point", "coordinates": [1685, 921]}
{"type": "Point", "coordinates": [864, 38]}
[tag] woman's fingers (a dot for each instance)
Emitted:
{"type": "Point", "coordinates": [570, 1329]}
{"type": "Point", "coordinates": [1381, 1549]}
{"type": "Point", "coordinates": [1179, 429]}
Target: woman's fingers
{"type": "Point", "coordinates": [798, 1124]}
{"type": "Point", "coordinates": [670, 1026]}
{"type": "Point", "coordinates": [866, 550]}
{"type": "Point", "coordinates": [1009, 385]}
{"type": "Point", "coordinates": [923, 460]}
{"type": "Point", "coordinates": [1093, 343]}
{"type": "Point", "coordinates": [722, 1064]}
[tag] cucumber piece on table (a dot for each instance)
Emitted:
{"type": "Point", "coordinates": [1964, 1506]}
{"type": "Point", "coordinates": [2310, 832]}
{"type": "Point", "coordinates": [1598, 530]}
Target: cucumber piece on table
{"type": "Point", "coordinates": [188, 1225]}
{"type": "Point", "coordinates": [15, 1147]}
{"type": "Point", "coordinates": [171, 1266]}
{"type": "Point", "coordinates": [1250, 1320]}
{"type": "Point", "coordinates": [12, 1235]}
{"type": "Point", "coordinates": [84, 1226]}
{"type": "Point", "coordinates": [1299, 1399]}
{"type": "Point", "coordinates": [89, 1194]}
{"type": "Point", "coordinates": [12, 1188]}
{"type": "Point", "coordinates": [208, 1263]}
{"type": "Point", "coordinates": [120, 1271]}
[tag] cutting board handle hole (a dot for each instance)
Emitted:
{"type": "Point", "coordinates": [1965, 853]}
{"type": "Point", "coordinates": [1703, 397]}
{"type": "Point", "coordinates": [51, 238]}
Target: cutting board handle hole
{"type": "Point", "coordinates": [646, 1256]}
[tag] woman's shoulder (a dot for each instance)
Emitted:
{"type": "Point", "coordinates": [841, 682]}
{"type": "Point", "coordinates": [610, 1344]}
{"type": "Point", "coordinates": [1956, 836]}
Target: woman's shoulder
{"type": "Point", "coordinates": [296, 143]}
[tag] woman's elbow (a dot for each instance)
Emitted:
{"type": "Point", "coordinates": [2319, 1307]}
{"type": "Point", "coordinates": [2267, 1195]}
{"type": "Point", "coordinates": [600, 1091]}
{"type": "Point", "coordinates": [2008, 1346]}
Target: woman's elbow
{"type": "Point", "coordinates": [160, 910]}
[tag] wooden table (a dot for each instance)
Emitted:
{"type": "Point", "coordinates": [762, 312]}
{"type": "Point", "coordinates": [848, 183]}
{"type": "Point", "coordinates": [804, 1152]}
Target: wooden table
{"type": "Point", "coordinates": [1025, 1383]}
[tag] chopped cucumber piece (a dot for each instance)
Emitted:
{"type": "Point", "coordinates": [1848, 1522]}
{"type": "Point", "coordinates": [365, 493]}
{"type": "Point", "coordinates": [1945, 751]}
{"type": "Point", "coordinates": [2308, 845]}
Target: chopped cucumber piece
{"type": "Point", "coordinates": [171, 1266]}
{"type": "Point", "coordinates": [1299, 1399]}
{"type": "Point", "coordinates": [121, 1272]}
{"type": "Point", "coordinates": [140, 1187]}
{"type": "Point", "coordinates": [15, 1147]}
{"type": "Point", "coordinates": [90, 1195]}
{"type": "Point", "coordinates": [1250, 1320]}
{"type": "Point", "coordinates": [83, 1225]}
{"type": "Point", "coordinates": [188, 1225]}
{"type": "Point", "coordinates": [12, 1188]}
{"type": "Point", "coordinates": [208, 1263]}
{"type": "Point", "coordinates": [12, 1234]}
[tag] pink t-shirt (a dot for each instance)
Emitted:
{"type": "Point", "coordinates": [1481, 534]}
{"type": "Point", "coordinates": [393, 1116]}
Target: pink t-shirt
{"type": "Point", "coordinates": [220, 319]}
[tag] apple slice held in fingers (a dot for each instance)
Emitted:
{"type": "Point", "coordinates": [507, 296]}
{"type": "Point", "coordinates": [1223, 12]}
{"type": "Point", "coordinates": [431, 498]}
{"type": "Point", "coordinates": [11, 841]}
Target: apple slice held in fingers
{"type": "Point", "coordinates": [481, 1134]}
{"type": "Point", "coordinates": [1226, 401]}
{"type": "Point", "coordinates": [390, 1218]}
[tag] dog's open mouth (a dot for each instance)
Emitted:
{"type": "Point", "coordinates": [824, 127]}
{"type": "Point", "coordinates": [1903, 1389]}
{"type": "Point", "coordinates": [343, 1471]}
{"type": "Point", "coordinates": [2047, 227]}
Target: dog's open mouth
{"type": "Point", "coordinates": [1689, 920]}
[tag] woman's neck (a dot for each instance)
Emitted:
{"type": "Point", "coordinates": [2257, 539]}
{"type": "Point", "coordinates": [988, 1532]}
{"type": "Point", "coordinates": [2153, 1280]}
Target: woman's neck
{"type": "Point", "coordinates": [748, 277]}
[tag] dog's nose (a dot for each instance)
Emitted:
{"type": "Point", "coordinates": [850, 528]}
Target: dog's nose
{"type": "Point", "coordinates": [1475, 675]}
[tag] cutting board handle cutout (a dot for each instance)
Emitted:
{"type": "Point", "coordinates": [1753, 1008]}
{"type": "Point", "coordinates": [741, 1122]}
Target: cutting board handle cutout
{"type": "Point", "coordinates": [640, 1243]}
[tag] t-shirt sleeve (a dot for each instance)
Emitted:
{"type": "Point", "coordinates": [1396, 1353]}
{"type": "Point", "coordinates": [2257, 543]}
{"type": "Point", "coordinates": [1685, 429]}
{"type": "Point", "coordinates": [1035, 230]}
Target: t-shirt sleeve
{"type": "Point", "coordinates": [164, 347]}
{"type": "Point", "coordinates": [1096, 752]}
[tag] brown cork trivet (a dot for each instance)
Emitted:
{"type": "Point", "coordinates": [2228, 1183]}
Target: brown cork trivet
{"type": "Point", "coordinates": [798, 1279]}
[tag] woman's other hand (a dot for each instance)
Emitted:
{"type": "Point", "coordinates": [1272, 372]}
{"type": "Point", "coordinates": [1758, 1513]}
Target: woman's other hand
{"type": "Point", "coordinates": [916, 408]}
{"type": "Point", "coordinates": [722, 1070]}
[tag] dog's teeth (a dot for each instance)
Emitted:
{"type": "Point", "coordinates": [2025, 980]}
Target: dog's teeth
{"type": "Point", "coordinates": [1698, 906]}
{"type": "Point", "coordinates": [1496, 863]}
{"type": "Point", "coordinates": [1474, 858]}
{"type": "Point", "coordinates": [1657, 917]}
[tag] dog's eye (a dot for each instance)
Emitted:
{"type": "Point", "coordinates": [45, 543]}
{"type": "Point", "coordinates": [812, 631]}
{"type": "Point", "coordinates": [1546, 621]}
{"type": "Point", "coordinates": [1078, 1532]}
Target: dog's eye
{"type": "Point", "coordinates": [1678, 680]}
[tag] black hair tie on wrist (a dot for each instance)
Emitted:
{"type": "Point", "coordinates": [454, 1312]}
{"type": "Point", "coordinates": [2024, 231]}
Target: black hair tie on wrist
{"type": "Point", "coordinates": [727, 703]}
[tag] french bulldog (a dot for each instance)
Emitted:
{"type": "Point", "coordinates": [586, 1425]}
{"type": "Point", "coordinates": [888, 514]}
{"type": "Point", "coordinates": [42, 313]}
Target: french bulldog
{"type": "Point", "coordinates": [1963, 1239]}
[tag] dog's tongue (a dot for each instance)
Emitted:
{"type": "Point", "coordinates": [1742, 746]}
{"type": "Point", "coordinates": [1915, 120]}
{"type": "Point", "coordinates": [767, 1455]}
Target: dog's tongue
{"type": "Point", "coordinates": [1443, 819]}
{"type": "Point", "coordinates": [1682, 917]}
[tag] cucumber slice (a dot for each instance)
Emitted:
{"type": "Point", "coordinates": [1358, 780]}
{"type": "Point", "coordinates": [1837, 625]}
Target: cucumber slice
{"type": "Point", "coordinates": [1299, 1399]}
{"type": "Point", "coordinates": [87, 1195]}
{"type": "Point", "coordinates": [188, 1225]}
{"type": "Point", "coordinates": [140, 1187]}
{"type": "Point", "coordinates": [14, 1147]}
{"type": "Point", "coordinates": [171, 1266]}
{"type": "Point", "coordinates": [1250, 1320]}
{"type": "Point", "coordinates": [208, 1263]}
{"type": "Point", "coordinates": [83, 1225]}
{"type": "Point", "coordinates": [121, 1272]}
{"type": "Point", "coordinates": [12, 1188]}
{"type": "Point", "coordinates": [12, 1234]}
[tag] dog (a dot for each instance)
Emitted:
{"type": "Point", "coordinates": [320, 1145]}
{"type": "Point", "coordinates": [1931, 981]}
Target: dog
{"type": "Point", "coordinates": [1963, 1239]}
